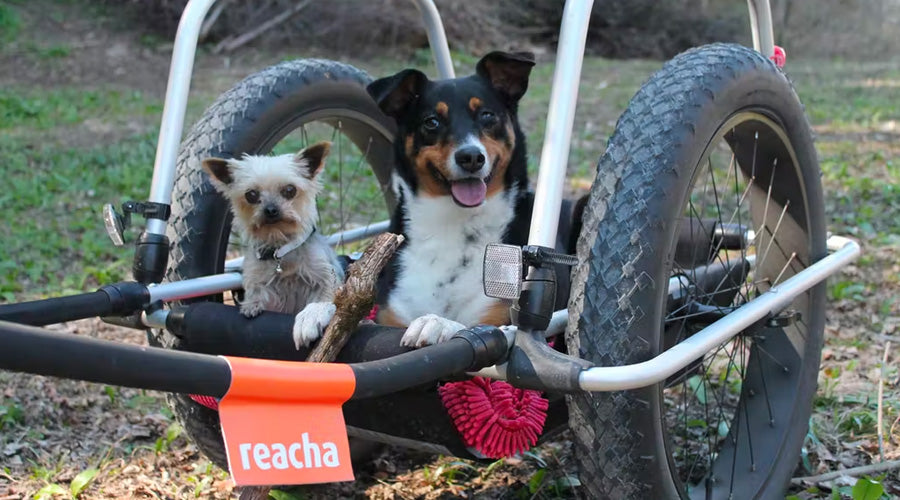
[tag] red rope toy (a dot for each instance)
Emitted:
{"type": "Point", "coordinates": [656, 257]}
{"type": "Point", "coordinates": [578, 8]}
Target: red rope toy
{"type": "Point", "coordinates": [493, 417]}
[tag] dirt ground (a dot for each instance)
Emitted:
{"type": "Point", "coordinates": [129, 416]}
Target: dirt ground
{"type": "Point", "coordinates": [58, 432]}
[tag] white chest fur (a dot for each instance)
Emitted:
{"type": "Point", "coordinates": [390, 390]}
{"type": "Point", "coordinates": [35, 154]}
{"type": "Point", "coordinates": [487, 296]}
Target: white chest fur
{"type": "Point", "coordinates": [441, 266]}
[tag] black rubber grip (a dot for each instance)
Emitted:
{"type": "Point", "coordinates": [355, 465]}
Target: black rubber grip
{"type": "Point", "coordinates": [42, 352]}
{"type": "Point", "coordinates": [57, 310]}
{"type": "Point", "coordinates": [218, 329]}
{"type": "Point", "coordinates": [213, 328]}
{"type": "Point", "coordinates": [381, 364]}
{"type": "Point", "coordinates": [119, 299]}
{"type": "Point", "coordinates": [471, 349]}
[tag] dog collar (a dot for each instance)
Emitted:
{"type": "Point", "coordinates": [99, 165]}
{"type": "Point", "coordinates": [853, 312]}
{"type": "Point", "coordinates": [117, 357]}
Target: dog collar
{"type": "Point", "coordinates": [272, 253]}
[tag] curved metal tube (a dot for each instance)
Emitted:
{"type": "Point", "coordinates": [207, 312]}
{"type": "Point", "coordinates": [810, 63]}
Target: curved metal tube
{"type": "Point", "coordinates": [175, 105]}
{"type": "Point", "coordinates": [761, 27]}
{"type": "Point", "coordinates": [437, 38]}
{"type": "Point", "coordinates": [548, 190]}
{"type": "Point", "coordinates": [616, 378]}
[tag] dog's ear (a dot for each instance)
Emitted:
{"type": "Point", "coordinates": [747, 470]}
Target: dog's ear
{"type": "Point", "coordinates": [394, 93]}
{"type": "Point", "coordinates": [219, 171]}
{"type": "Point", "coordinates": [507, 72]}
{"type": "Point", "coordinates": [312, 158]}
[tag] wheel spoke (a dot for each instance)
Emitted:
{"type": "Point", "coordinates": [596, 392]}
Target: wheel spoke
{"type": "Point", "coordinates": [719, 394]}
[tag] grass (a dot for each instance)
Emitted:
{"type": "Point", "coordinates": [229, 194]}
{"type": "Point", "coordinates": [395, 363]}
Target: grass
{"type": "Point", "coordinates": [54, 208]}
{"type": "Point", "coordinates": [849, 96]}
{"type": "Point", "coordinates": [67, 149]}
{"type": "Point", "coordinates": [10, 24]}
{"type": "Point", "coordinates": [31, 110]}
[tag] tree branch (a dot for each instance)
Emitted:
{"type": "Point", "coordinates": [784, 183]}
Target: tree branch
{"type": "Point", "coordinates": [230, 44]}
{"type": "Point", "coordinates": [851, 472]}
{"type": "Point", "coordinates": [355, 298]}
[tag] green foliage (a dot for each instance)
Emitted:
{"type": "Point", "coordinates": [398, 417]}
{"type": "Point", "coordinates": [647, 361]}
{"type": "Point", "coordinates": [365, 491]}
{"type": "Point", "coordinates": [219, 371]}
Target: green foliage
{"type": "Point", "coordinates": [111, 393]}
{"type": "Point", "coordinates": [54, 192]}
{"type": "Point", "coordinates": [847, 95]}
{"type": "Point", "coordinates": [536, 481]}
{"type": "Point", "coordinates": [200, 484]}
{"type": "Point", "coordinates": [9, 24]}
{"type": "Point", "coordinates": [53, 199]}
{"type": "Point", "coordinates": [285, 495]}
{"type": "Point", "coordinates": [50, 491]}
{"type": "Point", "coordinates": [844, 289]}
{"type": "Point", "coordinates": [49, 108]}
{"type": "Point", "coordinates": [10, 414]}
{"type": "Point", "coordinates": [142, 400]}
{"type": "Point", "coordinates": [448, 473]}
{"type": "Point", "coordinates": [867, 489]}
{"type": "Point", "coordinates": [486, 473]}
{"type": "Point", "coordinates": [82, 480]}
{"type": "Point", "coordinates": [173, 431]}
{"type": "Point", "coordinates": [53, 52]}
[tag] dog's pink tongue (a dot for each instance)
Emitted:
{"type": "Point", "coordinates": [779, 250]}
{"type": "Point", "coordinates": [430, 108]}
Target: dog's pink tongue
{"type": "Point", "coordinates": [468, 192]}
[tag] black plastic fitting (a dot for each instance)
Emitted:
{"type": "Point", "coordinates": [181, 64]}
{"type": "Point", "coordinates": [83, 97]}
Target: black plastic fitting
{"type": "Point", "coordinates": [151, 254]}
{"type": "Point", "coordinates": [533, 364]}
{"type": "Point", "coordinates": [536, 302]}
{"type": "Point", "coordinates": [126, 298]}
{"type": "Point", "coordinates": [488, 343]}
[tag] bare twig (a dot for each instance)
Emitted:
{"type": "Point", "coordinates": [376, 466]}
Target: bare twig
{"type": "Point", "coordinates": [212, 18]}
{"type": "Point", "coordinates": [886, 338]}
{"type": "Point", "coordinates": [355, 298]}
{"type": "Point", "coordinates": [851, 472]}
{"type": "Point", "coordinates": [891, 431]}
{"type": "Point", "coordinates": [230, 44]}
{"type": "Point", "coordinates": [887, 348]}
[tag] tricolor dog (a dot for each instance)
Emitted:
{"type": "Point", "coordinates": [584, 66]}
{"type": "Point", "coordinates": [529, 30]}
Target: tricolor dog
{"type": "Point", "coordinates": [462, 183]}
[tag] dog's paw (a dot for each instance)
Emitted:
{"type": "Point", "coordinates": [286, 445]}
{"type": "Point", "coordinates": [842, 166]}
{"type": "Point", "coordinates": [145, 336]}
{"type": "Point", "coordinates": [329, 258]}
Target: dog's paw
{"type": "Point", "coordinates": [429, 329]}
{"type": "Point", "coordinates": [311, 322]}
{"type": "Point", "coordinates": [251, 309]}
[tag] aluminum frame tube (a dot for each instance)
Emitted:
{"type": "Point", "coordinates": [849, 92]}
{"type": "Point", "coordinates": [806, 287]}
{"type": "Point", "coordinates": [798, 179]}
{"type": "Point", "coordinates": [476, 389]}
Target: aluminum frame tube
{"type": "Point", "coordinates": [348, 236]}
{"type": "Point", "coordinates": [195, 287]}
{"type": "Point", "coordinates": [560, 120]}
{"type": "Point", "coordinates": [616, 378]}
{"type": "Point", "coordinates": [437, 38]}
{"type": "Point", "coordinates": [761, 27]}
{"type": "Point", "coordinates": [172, 123]}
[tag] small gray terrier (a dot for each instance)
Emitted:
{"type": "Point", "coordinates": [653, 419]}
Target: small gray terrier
{"type": "Point", "coordinates": [288, 265]}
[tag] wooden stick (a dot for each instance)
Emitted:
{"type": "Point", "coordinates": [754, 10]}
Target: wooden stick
{"type": "Point", "coordinates": [887, 348]}
{"type": "Point", "coordinates": [231, 44]}
{"type": "Point", "coordinates": [353, 301]}
{"type": "Point", "coordinates": [355, 298]}
{"type": "Point", "coordinates": [853, 471]}
{"type": "Point", "coordinates": [886, 338]}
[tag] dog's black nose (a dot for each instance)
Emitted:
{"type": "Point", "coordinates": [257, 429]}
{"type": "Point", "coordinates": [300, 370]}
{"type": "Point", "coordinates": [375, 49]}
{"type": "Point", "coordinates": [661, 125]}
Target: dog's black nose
{"type": "Point", "coordinates": [469, 158]}
{"type": "Point", "coordinates": [271, 212]}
